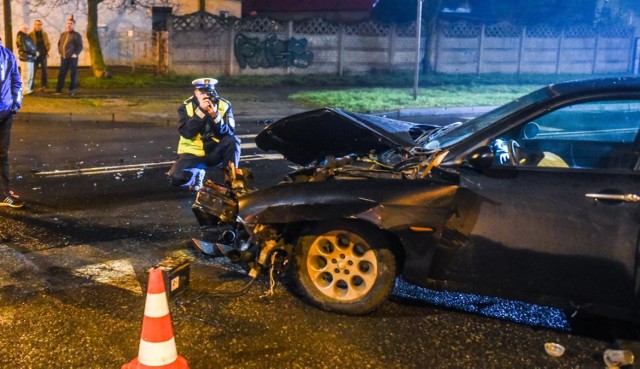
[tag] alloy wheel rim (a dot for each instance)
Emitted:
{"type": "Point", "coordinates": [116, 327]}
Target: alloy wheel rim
{"type": "Point", "coordinates": [342, 265]}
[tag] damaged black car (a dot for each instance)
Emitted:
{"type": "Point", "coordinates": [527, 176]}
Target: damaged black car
{"type": "Point", "coordinates": [536, 200]}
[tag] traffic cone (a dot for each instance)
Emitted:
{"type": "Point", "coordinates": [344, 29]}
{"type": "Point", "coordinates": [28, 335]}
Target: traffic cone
{"type": "Point", "coordinates": [157, 344]}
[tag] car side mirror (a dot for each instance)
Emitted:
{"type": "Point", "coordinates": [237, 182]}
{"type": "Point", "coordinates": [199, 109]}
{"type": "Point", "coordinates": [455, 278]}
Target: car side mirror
{"type": "Point", "coordinates": [481, 157]}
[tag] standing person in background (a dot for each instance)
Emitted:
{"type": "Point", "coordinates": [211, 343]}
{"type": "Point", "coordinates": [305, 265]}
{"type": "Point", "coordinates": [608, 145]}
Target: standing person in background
{"type": "Point", "coordinates": [27, 53]}
{"type": "Point", "coordinates": [69, 47]}
{"type": "Point", "coordinates": [10, 103]}
{"type": "Point", "coordinates": [41, 39]}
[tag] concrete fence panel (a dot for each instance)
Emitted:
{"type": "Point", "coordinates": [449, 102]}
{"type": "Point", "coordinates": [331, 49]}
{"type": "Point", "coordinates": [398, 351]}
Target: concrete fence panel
{"type": "Point", "coordinates": [504, 48]}
{"type": "Point", "coordinates": [204, 43]}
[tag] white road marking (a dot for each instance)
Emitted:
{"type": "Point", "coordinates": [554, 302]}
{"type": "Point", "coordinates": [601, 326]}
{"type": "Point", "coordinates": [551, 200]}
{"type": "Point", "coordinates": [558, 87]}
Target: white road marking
{"type": "Point", "coordinates": [118, 273]}
{"type": "Point", "coordinates": [249, 135]}
{"type": "Point", "coordinates": [142, 166]}
{"type": "Point", "coordinates": [257, 157]}
{"type": "Point", "coordinates": [102, 170]}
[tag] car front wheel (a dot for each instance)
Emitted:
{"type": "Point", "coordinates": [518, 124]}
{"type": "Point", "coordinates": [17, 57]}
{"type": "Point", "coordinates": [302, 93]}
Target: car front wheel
{"type": "Point", "coordinates": [345, 267]}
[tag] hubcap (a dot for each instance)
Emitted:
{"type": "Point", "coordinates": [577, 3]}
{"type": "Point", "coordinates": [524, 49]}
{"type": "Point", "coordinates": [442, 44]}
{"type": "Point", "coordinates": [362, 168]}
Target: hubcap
{"type": "Point", "coordinates": [342, 265]}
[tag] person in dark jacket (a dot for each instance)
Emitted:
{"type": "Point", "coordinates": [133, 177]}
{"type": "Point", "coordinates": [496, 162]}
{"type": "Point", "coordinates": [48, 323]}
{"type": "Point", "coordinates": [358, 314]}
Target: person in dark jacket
{"type": "Point", "coordinates": [10, 103]}
{"type": "Point", "coordinates": [41, 39]}
{"type": "Point", "coordinates": [207, 139]}
{"type": "Point", "coordinates": [27, 53]}
{"type": "Point", "coordinates": [69, 47]}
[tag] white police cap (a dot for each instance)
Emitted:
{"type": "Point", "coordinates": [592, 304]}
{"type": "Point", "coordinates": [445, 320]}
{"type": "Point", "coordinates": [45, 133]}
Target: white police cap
{"type": "Point", "coordinates": [205, 83]}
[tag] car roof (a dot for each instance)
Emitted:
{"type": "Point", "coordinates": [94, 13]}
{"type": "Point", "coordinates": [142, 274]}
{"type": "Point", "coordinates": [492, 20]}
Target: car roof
{"type": "Point", "coordinates": [596, 84]}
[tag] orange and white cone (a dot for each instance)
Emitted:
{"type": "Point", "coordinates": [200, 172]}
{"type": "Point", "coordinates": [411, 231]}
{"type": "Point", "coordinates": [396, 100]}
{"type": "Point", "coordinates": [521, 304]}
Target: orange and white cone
{"type": "Point", "coordinates": [157, 343]}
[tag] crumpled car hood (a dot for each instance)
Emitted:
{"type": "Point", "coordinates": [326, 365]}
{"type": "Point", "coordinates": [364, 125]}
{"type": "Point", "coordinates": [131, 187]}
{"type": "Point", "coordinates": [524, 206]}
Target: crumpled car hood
{"type": "Point", "coordinates": [311, 136]}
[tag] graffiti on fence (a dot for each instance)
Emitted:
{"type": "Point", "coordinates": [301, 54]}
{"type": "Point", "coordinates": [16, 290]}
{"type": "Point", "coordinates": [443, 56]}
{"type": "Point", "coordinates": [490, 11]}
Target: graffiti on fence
{"type": "Point", "coordinates": [271, 53]}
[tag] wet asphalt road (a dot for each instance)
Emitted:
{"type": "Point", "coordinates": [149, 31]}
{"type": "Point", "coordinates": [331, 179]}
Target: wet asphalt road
{"type": "Point", "coordinates": [73, 275]}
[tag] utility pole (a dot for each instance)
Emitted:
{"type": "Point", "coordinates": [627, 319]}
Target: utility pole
{"type": "Point", "coordinates": [417, 65]}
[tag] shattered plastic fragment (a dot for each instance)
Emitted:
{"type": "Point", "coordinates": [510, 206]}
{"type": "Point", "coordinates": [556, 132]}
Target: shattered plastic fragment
{"type": "Point", "coordinates": [554, 349]}
{"type": "Point", "coordinates": [618, 358]}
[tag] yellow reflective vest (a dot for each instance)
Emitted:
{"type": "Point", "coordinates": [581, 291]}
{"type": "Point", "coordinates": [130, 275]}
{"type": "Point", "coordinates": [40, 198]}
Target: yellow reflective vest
{"type": "Point", "coordinates": [195, 146]}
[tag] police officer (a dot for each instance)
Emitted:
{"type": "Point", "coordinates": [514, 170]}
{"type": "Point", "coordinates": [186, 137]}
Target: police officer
{"type": "Point", "coordinates": [207, 139]}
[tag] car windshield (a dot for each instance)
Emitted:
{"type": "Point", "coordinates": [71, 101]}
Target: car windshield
{"type": "Point", "coordinates": [450, 135]}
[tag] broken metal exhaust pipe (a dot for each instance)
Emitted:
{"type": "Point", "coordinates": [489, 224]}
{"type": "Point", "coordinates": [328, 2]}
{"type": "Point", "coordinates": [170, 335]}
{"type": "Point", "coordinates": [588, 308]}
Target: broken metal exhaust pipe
{"type": "Point", "coordinates": [228, 237]}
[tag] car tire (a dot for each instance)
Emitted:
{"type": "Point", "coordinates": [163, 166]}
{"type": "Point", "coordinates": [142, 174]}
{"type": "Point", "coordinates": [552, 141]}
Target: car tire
{"type": "Point", "coordinates": [344, 267]}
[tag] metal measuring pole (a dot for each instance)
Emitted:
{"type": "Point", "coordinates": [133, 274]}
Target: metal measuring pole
{"type": "Point", "coordinates": [417, 66]}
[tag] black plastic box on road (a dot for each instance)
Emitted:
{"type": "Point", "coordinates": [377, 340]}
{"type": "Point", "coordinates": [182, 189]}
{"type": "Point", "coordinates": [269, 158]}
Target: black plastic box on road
{"type": "Point", "coordinates": [175, 272]}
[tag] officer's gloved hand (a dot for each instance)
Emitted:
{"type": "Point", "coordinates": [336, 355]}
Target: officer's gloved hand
{"type": "Point", "coordinates": [213, 111]}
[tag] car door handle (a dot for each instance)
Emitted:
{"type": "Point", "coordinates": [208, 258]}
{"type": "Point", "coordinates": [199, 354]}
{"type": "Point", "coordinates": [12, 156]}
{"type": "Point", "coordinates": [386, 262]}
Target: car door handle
{"type": "Point", "coordinates": [630, 197]}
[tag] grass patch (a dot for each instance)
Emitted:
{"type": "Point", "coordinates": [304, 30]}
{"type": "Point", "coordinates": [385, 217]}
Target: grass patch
{"type": "Point", "coordinates": [94, 103]}
{"type": "Point", "coordinates": [123, 77]}
{"type": "Point", "coordinates": [135, 80]}
{"type": "Point", "coordinates": [384, 99]}
{"type": "Point", "coordinates": [373, 92]}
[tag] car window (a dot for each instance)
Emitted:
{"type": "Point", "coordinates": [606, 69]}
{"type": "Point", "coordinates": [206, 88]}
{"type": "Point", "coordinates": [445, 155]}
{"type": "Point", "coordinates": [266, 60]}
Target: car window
{"type": "Point", "coordinates": [452, 135]}
{"type": "Point", "coordinates": [600, 134]}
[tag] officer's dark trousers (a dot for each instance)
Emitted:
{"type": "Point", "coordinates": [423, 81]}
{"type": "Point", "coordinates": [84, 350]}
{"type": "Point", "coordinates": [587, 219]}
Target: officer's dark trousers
{"type": "Point", "coordinates": [177, 174]}
{"type": "Point", "coordinates": [217, 154]}
{"type": "Point", "coordinates": [221, 153]}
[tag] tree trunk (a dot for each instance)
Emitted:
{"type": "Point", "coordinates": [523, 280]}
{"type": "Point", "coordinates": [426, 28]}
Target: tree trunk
{"type": "Point", "coordinates": [98, 66]}
{"type": "Point", "coordinates": [432, 11]}
{"type": "Point", "coordinates": [8, 32]}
